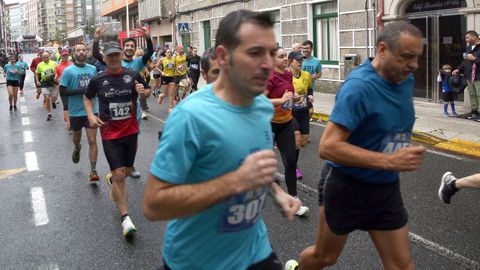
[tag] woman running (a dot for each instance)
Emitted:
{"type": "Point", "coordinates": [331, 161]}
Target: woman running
{"type": "Point", "coordinates": [302, 82]}
{"type": "Point", "coordinates": [167, 67]}
{"type": "Point", "coordinates": [24, 67]}
{"type": "Point", "coordinates": [280, 91]}
{"type": "Point", "coordinates": [12, 71]}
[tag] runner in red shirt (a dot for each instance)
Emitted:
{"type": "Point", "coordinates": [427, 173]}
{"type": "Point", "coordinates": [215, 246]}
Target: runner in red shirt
{"type": "Point", "coordinates": [33, 67]}
{"type": "Point", "coordinates": [64, 62]}
{"type": "Point", "coordinates": [117, 90]}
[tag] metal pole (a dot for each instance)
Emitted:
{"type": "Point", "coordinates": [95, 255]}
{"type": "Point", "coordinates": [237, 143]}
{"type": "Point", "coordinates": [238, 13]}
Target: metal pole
{"type": "Point", "coordinates": [366, 29]}
{"type": "Point", "coordinates": [128, 19]}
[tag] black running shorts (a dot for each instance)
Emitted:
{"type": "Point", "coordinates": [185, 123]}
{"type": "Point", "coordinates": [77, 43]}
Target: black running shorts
{"type": "Point", "coordinates": [303, 120]}
{"type": "Point", "coordinates": [167, 80]}
{"type": "Point", "coordinates": [270, 263]}
{"type": "Point", "coordinates": [351, 205]}
{"type": "Point", "coordinates": [79, 122]}
{"type": "Point", "coordinates": [13, 83]}
{"type": "Point", "coordinates": [120, 152]}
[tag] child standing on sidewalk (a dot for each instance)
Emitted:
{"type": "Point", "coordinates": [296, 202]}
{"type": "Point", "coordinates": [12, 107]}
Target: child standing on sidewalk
{"type": "Point", "coordinates": [447, 94]}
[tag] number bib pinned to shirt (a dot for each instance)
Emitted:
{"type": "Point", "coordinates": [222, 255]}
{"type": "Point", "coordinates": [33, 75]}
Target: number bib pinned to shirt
{"type": "Point", "coordinates": [243, 210]}
{"type": "Point", "coordinates": [120, 111]}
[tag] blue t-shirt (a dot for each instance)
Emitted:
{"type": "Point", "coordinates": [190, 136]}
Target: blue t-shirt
{"type": "Point", "coordinates": [197, 145]}
{"type": "Point", "coordinates": [379, 115]}
{"type": "Point", "coordinates": [11, 71]}
{"type": "Point", "coordinates": [75, 77]}
{"type": "Point", "coordinates": [312, 65]}
{"type": "Point", "coordinates": [135, 64]}
{"type": "Point", "coordinates": [24, 66]}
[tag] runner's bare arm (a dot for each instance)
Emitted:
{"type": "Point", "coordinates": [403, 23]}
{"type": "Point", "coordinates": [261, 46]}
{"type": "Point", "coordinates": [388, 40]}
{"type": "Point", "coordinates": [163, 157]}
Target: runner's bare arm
{"type": "Point", "coordinates": [288, 204]}
{"type": "Point", "coordinates": [164, 201]}
{"type": "Point", "coordinates": [335, 147]}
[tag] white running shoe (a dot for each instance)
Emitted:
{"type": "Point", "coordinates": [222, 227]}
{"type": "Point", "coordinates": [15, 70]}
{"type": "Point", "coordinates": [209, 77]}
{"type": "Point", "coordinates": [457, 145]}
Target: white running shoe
{"type": "Point", "coordinates": [303, 211]}
{"type": "Point", "coordinates": [135, 173]}
{"type": "Point", "coordinates": [291, 265]}
{"type": "Point", "coordinates": [144, 115]}
{"type": "Point", "coordinates": [127, 227]}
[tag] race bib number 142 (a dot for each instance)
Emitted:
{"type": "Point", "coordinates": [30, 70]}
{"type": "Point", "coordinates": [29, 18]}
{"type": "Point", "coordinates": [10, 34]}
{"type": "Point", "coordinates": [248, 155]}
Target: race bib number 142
{"type": "Point", "coordinates": [120, 111]}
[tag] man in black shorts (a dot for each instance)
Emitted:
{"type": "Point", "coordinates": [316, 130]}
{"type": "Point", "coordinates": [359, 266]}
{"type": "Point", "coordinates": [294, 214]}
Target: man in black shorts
{"type": "Point", "coordinates": [117, 90]}
{"type": "Point", "coordinates": [367, 144]}
{"type": "Point", "coordinates": [74, 82]}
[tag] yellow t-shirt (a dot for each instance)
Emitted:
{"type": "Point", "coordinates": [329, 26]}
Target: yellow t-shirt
{"type": "Point", "coordinates": [180, 65]}
{"type": "Point", "coordinates": [302, 84]}
{"type": "Point", "coordinates": [47, 72]}
{"type": "Point", "coordinates": [168, 67]}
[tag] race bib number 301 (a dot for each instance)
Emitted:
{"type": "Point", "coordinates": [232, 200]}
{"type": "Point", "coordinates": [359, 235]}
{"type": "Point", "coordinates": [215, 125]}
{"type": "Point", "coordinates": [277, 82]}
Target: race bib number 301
{"type": "Point", "coordinates": [243, 210]}
{"type": "Point", "coordinates": [120, 111]}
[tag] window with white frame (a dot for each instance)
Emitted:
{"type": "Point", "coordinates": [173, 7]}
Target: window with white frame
{"type": "Point", "coordinates": [325, 32]}
{"type": "Point", "coordinates": [276, 27]}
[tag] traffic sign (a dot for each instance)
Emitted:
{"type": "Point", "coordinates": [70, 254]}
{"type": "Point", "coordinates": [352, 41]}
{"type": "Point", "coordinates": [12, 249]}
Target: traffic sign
{"type": "Point", "coordinates": [183, 28]}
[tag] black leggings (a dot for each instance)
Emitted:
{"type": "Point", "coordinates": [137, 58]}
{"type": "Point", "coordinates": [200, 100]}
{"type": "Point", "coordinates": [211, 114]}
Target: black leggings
{"type": "Point", "coordinates": [22, 81]}
{"type": "Point", "coordinates": [285, 139]}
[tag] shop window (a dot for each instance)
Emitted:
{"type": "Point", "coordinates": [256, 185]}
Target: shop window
{"type": "Point", "coordinates": [325, 32]}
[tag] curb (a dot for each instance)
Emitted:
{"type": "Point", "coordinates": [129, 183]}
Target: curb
{"type": "Point", "coordinates": [456, 146]}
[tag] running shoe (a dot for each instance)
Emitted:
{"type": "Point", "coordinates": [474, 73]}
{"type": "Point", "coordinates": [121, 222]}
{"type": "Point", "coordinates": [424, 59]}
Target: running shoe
{"type": "Point", "coordinates": [11, 108]}
{"type": "Point", "coordinates": [15, 108]}
{"type": "Point", "coordinates": [135, 174]}
{"type": "Point", "coordinates": [144, 115]}
{"type": "Point", "coordinates": [108, 180]}
{"type": "Point", "coordinates": [49, 117]}
{"type": "Point", "coordinates": [303, 211]}
{"type": "Point", "coordinates": [446, 190]}
{"type": "Point", "coordinates": [299, 174]}
{"type": "Point", "coordinates": [445, 114]}
{"type": "Point", "coordinates": [76, 153]}
{"type": "Point", "coordinates": [454, 114]}
{"type": "Point", "coordinates": [291, 265]}
{"type": "Point", "coordinates": [94, 176]}
{"type": "Point", "coordinates": [160, 98]}
{"type": "Point", "coordinates": [127, 227]}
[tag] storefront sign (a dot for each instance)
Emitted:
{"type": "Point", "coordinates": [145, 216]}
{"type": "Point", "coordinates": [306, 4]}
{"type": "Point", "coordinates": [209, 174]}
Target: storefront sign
{"type": "Point", "coordinates": [420, 6]}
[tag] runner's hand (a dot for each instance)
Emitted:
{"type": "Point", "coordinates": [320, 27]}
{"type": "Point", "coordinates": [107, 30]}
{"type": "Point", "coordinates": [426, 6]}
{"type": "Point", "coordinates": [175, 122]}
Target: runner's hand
{"type": "Point", "coordinates": [287, 96]}
{"type": "Point", "coordinates": [143, 30]}
{"type": "Point", "coordinates": [407, 159]}
{"type": "Point", "coordinates": [139, 88]}
{"type": "Point", "coordinates": [287, 203]}
{"type": "Point", "coordinates": [100, 31]}
{"type": "Point", "coordinates": [95, 121]}
{"type": "Point", "coordinates": [257, 170]}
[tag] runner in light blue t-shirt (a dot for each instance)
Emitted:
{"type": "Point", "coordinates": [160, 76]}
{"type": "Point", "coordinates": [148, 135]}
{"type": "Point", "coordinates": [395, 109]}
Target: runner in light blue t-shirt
{"type": "Point", "coordinates": [214, 166]}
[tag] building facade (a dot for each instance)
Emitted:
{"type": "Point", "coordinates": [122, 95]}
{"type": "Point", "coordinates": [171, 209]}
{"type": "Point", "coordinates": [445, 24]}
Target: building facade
{"type": "Point", "coordinates": [32, 17]}
{"type": "Point", "coordinates": [18, 21]}
{"type": "Point", "coordinates": [344, 32]}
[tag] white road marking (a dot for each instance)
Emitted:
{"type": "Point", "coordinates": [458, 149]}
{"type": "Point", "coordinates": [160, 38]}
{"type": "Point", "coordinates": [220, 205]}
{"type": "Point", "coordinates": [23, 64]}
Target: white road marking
{"type": "Point", "coordinates": [31, 161]}
{"type": "Point", "coordinates": [39, 206]}
{"type": "Point", "coordinates": [23, 109]}
{"type": "Point", "coordinates": [154, 117]}
{"type": "Point", "coordinates": [443, 251]}
{"type": "Point", "coordinates": [445, 154]}
{"type": "Point", "coordinates": [25, 121]}
{"type": "Point", "coordinates": [22, 99]}
{"type": "Point", "coordinates": [27, 136]}
{"type": "Point", "coordinates": [49, 267]}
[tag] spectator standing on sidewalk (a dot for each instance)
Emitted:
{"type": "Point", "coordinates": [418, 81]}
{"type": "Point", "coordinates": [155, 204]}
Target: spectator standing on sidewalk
{"type": "Point", "coordinates": [367, 144]}
{"type": "Point", "coordinates": [470, 67]}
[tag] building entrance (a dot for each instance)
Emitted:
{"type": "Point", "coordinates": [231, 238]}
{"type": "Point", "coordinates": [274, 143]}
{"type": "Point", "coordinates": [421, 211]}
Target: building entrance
{"type": "Point", "coordinates": [443, 28]}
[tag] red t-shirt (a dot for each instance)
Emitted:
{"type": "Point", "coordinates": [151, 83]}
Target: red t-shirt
{"type": "Point", "coordinates": [278, 83]}
{"type": "Point", "coordinates": [34, 64]}
{"type": "Point", "coordinates": [61, 67]}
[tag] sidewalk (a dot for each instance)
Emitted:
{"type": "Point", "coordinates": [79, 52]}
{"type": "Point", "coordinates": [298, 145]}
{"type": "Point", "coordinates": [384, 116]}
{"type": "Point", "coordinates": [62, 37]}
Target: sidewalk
{"type": "Point", "coordinates": [454, 134]}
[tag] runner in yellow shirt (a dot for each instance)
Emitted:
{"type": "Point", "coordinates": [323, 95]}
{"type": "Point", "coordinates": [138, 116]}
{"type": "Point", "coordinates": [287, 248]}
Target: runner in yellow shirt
{"type": "Point", "coordinates": [45, 77]}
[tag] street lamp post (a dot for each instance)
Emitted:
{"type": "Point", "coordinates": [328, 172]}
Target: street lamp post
{"type": "Point", "coordinates": [128, 19]}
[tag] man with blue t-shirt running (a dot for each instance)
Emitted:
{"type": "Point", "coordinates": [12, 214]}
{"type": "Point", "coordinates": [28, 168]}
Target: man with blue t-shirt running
{"type": "Point", "coordinates": [367, 144]}
{"type": "Point", "coordinates": [211, 178]}
{"type": "Point", "coordinates": [73, 84]}
{"type": "Point", "coordinates": [137, 64]}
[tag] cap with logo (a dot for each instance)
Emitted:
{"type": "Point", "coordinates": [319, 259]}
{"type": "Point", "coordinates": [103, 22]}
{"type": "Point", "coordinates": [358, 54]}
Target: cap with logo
{"type": "Point", "coordinates": [112, 47]}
